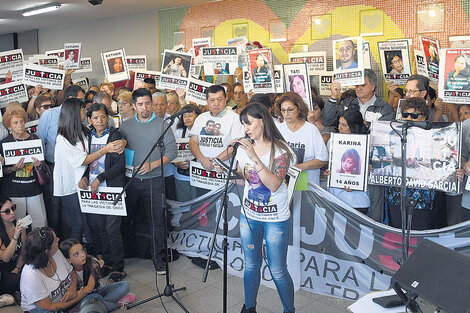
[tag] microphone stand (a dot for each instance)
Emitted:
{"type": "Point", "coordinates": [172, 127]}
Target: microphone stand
{"type": "Point", "coordinates": [214, 235]}
{"type": "Point", "coordinates": [169, 288]}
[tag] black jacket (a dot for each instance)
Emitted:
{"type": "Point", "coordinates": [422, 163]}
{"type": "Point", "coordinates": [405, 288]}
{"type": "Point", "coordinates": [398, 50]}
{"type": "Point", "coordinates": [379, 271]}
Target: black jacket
{"type": "Point", "coordinates": [114, 163]}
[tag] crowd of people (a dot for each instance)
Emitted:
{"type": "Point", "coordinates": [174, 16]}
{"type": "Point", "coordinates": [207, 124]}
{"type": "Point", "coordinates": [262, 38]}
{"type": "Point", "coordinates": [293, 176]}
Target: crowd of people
{"type": "Point", "coordinates": [85, 134]}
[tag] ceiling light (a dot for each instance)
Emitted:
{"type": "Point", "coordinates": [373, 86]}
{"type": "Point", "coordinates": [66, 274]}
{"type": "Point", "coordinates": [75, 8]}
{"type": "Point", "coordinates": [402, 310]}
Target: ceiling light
{"type": "Point", "coordinates": [42, 9]}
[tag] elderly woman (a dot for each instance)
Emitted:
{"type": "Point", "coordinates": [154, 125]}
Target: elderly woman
{"type": "Point", "coordinates": [126, 110]}
{"type": "Point", "coordinates": [304, 138]}
{"type": "Point", "coordinates": [20, 180]}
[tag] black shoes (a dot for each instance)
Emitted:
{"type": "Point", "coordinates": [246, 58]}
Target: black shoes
{"type": "Point", "coordinates": [250, 310]}
{"type": "Point", "coordinates": [160, 267]}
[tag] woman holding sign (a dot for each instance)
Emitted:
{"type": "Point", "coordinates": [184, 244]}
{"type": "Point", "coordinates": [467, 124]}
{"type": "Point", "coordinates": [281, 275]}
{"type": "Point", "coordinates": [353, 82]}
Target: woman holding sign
{"type": "Point", "coordinates": [264, 161]}
{"type": "Point", "coordinates": [71, 158]}
{"type": "Point", "coordinates": [20, 180]}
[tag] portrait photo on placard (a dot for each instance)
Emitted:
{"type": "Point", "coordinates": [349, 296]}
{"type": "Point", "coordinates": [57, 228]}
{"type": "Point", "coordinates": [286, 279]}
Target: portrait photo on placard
{"type": "Point", "coordinates": [116, 65]}
{"type": "Point", "coordinates": [176, 64]}
{"type": "Point", "coordinates": [346, 54]}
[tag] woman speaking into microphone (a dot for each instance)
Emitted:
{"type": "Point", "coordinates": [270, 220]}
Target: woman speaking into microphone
{"type": "Point", "coordinates": [265, 211]}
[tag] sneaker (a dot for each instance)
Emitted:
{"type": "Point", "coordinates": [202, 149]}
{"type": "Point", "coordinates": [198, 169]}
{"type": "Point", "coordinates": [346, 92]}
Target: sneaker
{"type": "Point", "coordinates": [160, 267]}
{"type": "Point", "coordinates": [6, 300]}
{"type": "Point", "coordinates": [127, 299]}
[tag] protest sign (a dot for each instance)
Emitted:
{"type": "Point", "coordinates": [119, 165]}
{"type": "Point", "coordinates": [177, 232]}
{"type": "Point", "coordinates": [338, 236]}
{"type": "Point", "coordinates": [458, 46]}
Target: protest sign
{"type": "Point", "coordinates": [316, 60]}
{"type": "Point", "coordinates": [279, 78]}
{"type": "Point", "coordinates": [82, 82]}
{"type": "Point", "coordinates": [297, 80]}
{"type": "Point", "coordinates": [49, 61]}
{"type": "Point", "coordinates": [14, 91]}
{"type": "Point", "coordinates": [14, 151]}
{"type": "Point", "coordinates": [395, 61]}
{"type": "Point", "coordinates": [141, 75]}
{"type": "Point", "coordinates": [239, 42]}
{"type": "Point", "coordinates": [431, 49]}
{"type": "Point", "coordinates": [49, 78]}
{"type": "Point", "coordinates": [349, 61]}
{"type": "Point", "coordinates": [324, 83]}
{"type": "Point", "coordinates": [420, 62]}
{"type": "Point", "coordinates": [58, 53]}
{"type": "Point", "coordinates": [349, 161]}
{"type": "Point", "coordinates": [12, 61]}
{"type": "Point", "coordinates": [261, 69]}
{"type": "Point", "coordinates": [32, 126]}
{"type": "Point", "coordinates": [199, 43]}
{"type": "Point", "coordinates": [220, 60]}
{"type": "Point", "coordinates": [101, 202]}
{"type": "Point", "coordinates": [72, 54]}
{"type": "Point", "coordinates": [206, 179]}
{"type": "Point", "coordinates": [247, 81]}
{"type": "Point", "coordinates": [454, 75]}
{"type": "Point", "coordinates": [197, 91]}
{"type": "Point", "coordinates": [85, 65]}
{"type": "Point", "coordinates": [433, 156]}
{"type": "Point", "coordinates": [136, 62]}
{"type": "Point", "coordinates": [115, 66]}
{"type": "Point", "coordinates": [184, 154]}
{"type": "Point", "coordinates": [175, 69]}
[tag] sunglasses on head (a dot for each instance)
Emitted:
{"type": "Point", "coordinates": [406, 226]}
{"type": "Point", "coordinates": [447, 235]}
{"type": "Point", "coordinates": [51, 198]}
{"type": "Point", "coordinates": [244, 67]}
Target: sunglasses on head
{"type": "Point", "coordinates": [413, 115]}
{"type": "Point", "coordinates": [7, 211]}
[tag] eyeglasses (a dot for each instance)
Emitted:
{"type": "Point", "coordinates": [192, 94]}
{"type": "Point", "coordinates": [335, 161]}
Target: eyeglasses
{"type": "Point", "coordinates": [412, 91]}
{"type": "Point", "coordinates": [9, 210]}
{"type": "Point", "coordinates": [288, 110]}
{"type": "Point", "coordinates": [413, 115]}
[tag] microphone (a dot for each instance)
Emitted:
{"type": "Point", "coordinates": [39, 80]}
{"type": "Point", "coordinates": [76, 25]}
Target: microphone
{"type": "Point", "coordinates": [177, 114]}
{"type": "Point", "coordinates": [424, 125]}
{"type": "Point", "coordinates": [236, 144]}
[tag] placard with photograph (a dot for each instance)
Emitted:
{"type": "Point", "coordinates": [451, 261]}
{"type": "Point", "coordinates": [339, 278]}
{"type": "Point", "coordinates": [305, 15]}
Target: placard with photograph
{"type": "Point", "coordinates": [197, 91]}
{"type": "Point", "coordinates": [316, 60]}
{"type": "Point", "coordinates": [279, 78]}
{"type": "Point", "coordinates": [27, 149]}
{"type": "Point", "coordinates": [420, 62]}
{"type": "Point", "coordinates": [85, 65]}
{"type": "Point", "coordinates": [432, 156]}
{"type": "Point", "coordinates": [349, 161]}
{"type": "Point", "coordinates": [12, 61]}
{"type": "Point", "coordinates": [141, 75]}
{"type": "Point", "coordinates": [297, 80]}
{"type": "Point", "coordinates": [136, 62]}
{"type": "Point", "coordinates": [175, 68]}
{"type": "Point", "coordinates": [115, 66]}
{"type": "Point", "coordinates": [349, 61]}
{"type": "Point", "coordinates": [395, 61]}
{"type": "Point", "coordinates": [198, 44]}
{"type": "Point", "coordinates": [261, 69]}
{"type": "Point", "coordinates": [454, 75]}
{"type": "Point", "coordinates": [220, 60]}
{"type": "Point", "coordinates": [101, 202]}
{"type": "Point", "coordinates": [431, 49]}
{"type": "Point", "coordinates": [49, 78]}
{"type": "Point", "coordinates": [14, 91]}
{"type": "Point", "coordinates": [58, 53]}
{"type": "Point", "coordinates": [72, 54]}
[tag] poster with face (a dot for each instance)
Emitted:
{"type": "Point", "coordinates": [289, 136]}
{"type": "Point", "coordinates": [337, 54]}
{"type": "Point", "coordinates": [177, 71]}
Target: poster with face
{"type": "Point", "coordinates": [220, 60]}
{"type": "Point", "coordinates": [395, 61]}
{"type": "Point", "coordinates": [175, 68]}
{"type": "Point", "coordinates": [454, 75]}
{"type": "Point", "coordinates": [72, 53]}
{"type": "Point", "coordinates": [261, 69]}
{"type": "Point", "coordinates": [115, 66]}
{"type": "Point", "coordinates": [316, 60]}
{"type": "Point", "coordinates": [349, 61]}
{"type": "Point", "coordinates": [349, 161]}
{"type": "Point", "coordinates": [297, 80]}
{"type": "Point", "coordinates": [199, 43]}
{"type": "Point", "coordinates": [431, 48]}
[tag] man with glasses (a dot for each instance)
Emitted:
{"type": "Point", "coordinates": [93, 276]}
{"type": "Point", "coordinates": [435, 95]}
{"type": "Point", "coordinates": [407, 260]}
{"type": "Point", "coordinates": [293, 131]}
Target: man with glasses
{"type": "Point", "coordinates": [239, 96]}
{"type": "Point", "coordinates": [41, 104]}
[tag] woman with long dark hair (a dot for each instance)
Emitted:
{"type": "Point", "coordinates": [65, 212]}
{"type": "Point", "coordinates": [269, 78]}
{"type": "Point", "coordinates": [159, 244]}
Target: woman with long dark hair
{"type": "Point", "coordinates": [71, 158]}
{"type": "Point", "coordinates": [264, 165]}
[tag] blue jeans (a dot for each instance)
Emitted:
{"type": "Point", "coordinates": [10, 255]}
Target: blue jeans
{"type": "Point", "coordinates": [112, 293]}
{"type": "Point", "coordinates": [91, 295]}
{"type": "Point", "coordinates": [276, 235]}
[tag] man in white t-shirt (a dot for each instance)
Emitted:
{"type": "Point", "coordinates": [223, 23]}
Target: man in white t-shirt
{"type": "Point", "coordinates": [205, 146]}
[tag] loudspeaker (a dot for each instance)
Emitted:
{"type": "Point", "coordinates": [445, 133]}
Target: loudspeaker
{"type": "Point", "coordinates": [434, 279]}
{"type": "Point", "coordinates": [95, 2]}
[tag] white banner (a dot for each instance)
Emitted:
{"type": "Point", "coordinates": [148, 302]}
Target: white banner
{"type": "Point", "coordinates": [14, 91]}
{"type": "Point", "coordinates": [12, 61]}
{"type": "Point", "coordinates": [220, 60]}
{"type": "Point", "coordinates": [420, 62]}
{"type": "Point", "coordinates": [316, 60]}
{"type": "Point", "coordinates": [136, 62]}
{"type": "Point", "coordinates": [49, 78]}
{"type": "Point", "coordinates": [115, 66]}
{"type": "Point", "coordinates": [141, 75]}
{"type": "Point", "coordinates": [202, 178]}
{"type": "Point", "coordinates": [85, 65]}
{"type": "Point", "coordinates": [14, 151]}
{"type": "Point", "coordinates": [58, 53]}
{"type": "Point", "coordinates": [184, 154]}
{"type": "Point", "coordinates": [197, 91]}
{"type": "Point", "coordinates": [101, 202]}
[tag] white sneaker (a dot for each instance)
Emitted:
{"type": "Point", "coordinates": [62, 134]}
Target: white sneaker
{"type": "Point", "coordinates": [6, 299]}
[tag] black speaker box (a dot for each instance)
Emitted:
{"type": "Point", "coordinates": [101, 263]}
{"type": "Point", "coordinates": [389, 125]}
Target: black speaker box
{"type": "Point", "coordinates": [95, 2]}
{"type": "Point", "coordinates": [434, 279]}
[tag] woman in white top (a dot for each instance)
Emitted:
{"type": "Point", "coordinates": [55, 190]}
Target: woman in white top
{"type": "Point", "coordinates": [265, 211]}
{"type": "Point", "coordinates": [48, 282]}
{"type": "Point", "coordinates": [71, 157]}
{"type": "Point", "coordinates": [304, 138]}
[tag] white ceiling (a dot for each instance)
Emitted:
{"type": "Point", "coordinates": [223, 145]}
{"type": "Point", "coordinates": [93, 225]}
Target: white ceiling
{"type": "Point", "coordinates": [75, 11]}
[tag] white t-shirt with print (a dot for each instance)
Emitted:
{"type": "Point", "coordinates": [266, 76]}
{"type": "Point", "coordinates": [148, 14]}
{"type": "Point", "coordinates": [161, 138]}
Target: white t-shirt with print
{"type": "Point", "coordinates": [36, 286]}
{"type": "Point", "coordinates": [307, 144]}
{"type": "Point", "coordinates": [97, 167]}
{"type": "Point", "coordinates": [260, 203]}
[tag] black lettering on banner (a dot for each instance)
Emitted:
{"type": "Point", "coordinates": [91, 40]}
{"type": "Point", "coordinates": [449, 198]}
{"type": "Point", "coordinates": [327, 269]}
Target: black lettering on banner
{"type": "Point", "coordinates": [263, 209]}
{"type": "Point", "coordinates": [11, 90]}
{"type": "Point", "coordinates": [11, 57]}
{"type": "Point", "coordinates": [23, 152]}
{"type": "Point", "coordinates": [102, 196]}
{"type": "Point", "coordinates": [220, 51]}
{"type": "Point", "coordinates": [43, 74]}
